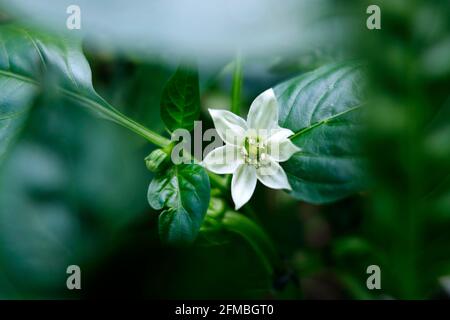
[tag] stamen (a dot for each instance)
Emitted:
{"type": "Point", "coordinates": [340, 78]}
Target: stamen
{"type": "Point", "coordinates": [254, 151]}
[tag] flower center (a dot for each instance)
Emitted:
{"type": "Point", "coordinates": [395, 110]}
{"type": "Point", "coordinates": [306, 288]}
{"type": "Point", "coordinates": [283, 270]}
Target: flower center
{"type": "Point", "coordinates": [254, 151]}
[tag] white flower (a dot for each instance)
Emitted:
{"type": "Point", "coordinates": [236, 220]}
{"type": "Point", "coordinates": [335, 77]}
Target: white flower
{"type": "Point", "coordinates": [252, 148]}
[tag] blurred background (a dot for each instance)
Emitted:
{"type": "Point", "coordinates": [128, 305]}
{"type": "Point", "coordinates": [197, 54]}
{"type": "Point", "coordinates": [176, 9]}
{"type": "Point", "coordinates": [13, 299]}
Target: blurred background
{"type": "Point", "coordinates": [73, 186]}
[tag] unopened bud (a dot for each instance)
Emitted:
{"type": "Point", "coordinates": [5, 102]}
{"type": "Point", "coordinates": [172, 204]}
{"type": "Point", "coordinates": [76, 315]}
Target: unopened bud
{"type": "Point", "coordinates": [216, 208]}
{"type": "Point", "coordinates": [157, 160]}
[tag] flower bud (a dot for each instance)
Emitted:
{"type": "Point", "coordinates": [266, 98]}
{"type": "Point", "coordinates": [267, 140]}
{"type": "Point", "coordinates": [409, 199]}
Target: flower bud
{"type": "Point", "coordinates": [216, 208]}
{"type": "Point", "coordinates": [214, 215]}
{"type": "Point", "coordinates": [157, 160]}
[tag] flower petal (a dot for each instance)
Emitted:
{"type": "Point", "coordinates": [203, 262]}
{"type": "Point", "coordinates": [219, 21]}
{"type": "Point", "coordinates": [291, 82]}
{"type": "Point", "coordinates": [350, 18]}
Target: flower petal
{"type": "Point", "coordinates": [273, 176]}
{"type": "Point", "coordinates": [243, 185]}
{"type": "Point", "coordinates": [230, 127]}
{"type": "Point", "coordinates": [223, 160]}
{"type": "Point", "coordinates": [263, 113]}
{"type": "Point", "coordinates": [279, 134]}
{"type": "Point", "coordinates": [280, 148]}
{"type": "Point", "coordinates": [283, 151]}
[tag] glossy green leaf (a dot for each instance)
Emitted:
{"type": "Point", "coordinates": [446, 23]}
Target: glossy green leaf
{"type": "Point", "coordinates": [323, 108]}
{"type": "Point", "coordinates": [180, 102]}
{"type": "Point", "coordinates": [31, 60]}
{"type": "Point", "coordinates": [26, 62]}
{"type": "Point", "coordinates": [183, 192]}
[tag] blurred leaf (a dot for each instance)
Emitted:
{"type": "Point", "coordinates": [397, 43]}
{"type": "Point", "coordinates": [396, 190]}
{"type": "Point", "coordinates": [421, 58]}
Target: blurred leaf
{"type": "Point", "coordinates": [323, 109]}
{"type": "Point", "coordinates": [435, 60]}
{"type": "Point", "coordinates": [17, 92]}
{"type": "Point", "coordinates": [180, 102]}
{"type": "Point", "coordinates": [351, 246]}
{"type": "Point", "coordinates": [140, 92]}
{"type": "Point", "coordinates": [38, 228]}
{"type": "Point", "coordinates": [153, 271]}
{"type": "Point", "coordinates": [64, 194]}
{"type": "Point", "coordinates": [25, 62]}
{"type": "Point", "coordinates": [31, 60]}
{"type": "Point", "coordinates": [12, 121]}
{"type": "Point", "coordinates": [183, 192]}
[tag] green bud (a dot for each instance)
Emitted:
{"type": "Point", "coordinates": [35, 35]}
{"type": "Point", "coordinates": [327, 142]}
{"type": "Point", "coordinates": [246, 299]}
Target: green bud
{"type": "Point", "coordinates": [214, 215]}
{"type": "Point", "coordinates": [216, 208]}
{"type": "Point", "coordinates": [157, 160]}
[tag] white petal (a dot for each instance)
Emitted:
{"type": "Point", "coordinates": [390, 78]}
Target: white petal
{"type": "Point", "coordinates": [231, 128]}
{"type": "Point", "coordinates": [243, 185]}
{"type": "Point", "coordinates": [263, 113]}
{"type": "Point", "coordinates": [280, 148]}
{"type": "Point", "coordinates": [279, 134]}
{"type": "Point", "coordinates": [284, 151]}
{"type": "Point", "coordinates": [223, 160]}
{"type": "Point", "coordinates": [273, 176]}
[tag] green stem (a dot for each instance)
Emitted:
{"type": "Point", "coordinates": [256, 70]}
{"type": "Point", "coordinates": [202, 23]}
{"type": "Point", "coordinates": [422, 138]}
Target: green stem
{"type": "Point", "coordinates": [236, 86]}
{"type": "Point", "coordinates": [104, 109]}
{"type": "Point", "coordinates": [218, 181]}
{"type": "Point", "coordinates": [116, 116]}
{"type": "Point", "coordinates": [255, 235]}
{"type": "Point", "coordinates": [112, 114]}
{"type": "Point", "coordinates": [153, 137]}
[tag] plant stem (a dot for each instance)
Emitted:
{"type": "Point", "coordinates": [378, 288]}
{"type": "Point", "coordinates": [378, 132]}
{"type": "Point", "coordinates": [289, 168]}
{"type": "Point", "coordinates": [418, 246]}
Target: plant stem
{"type": "Point", "coordinates": [237, 85]}
{"type": "Point", "coordinates": [255, 235]}
{"type": "Point", "coordinates": [218, 181]}
{"type": "Point", "coordinates": [111, 113]}
{"type": "Point", "coordinates": [148, 134]}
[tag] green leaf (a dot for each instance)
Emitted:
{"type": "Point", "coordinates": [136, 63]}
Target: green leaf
{"type": "Point", "coordinates": [16, 94]}
{"type": "Point", "coordinates": [323, 108]}
{"type": "Point", "coordinates": [26, 61]}
{"type": "Point", "coordinates": [183, 192]}
{"type": "Point", "coordinates": [30, 61]}
{"type": "Point", "coordinates": [180, 102]}
{"type": "Point", "coordinates": [13, 111]}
